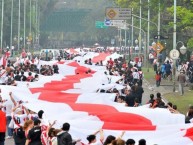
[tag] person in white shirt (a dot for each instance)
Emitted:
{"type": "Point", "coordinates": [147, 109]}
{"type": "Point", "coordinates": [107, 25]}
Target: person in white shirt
{"type": "Point", "coordinates": [8, 105]}
{"type": "Point", "coordinates": [132, 62]}
{"type": "Point", "coordinates": [139, 64]}
{"type": "Point", "coordinates": [3, 74]}
{"type": "Point", "coordinates": [135, 76]}
{"type": "Point", "coordinates": [151, 58]}
{"type": "Point", "coordinates": [19, 117]}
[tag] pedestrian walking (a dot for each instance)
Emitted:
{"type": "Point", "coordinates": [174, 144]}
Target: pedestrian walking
{"type": "Point", "coordinates": [158, 78]}
{"type": "Point", "coordinates": [181, 79]}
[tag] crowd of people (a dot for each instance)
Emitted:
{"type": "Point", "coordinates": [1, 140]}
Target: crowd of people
{"type": "Point", "coordinates": [30, 128]}
{"type": "Point", "coordinates": [166, 70]}
{"type": "Point", "coordinates": [25, 70]}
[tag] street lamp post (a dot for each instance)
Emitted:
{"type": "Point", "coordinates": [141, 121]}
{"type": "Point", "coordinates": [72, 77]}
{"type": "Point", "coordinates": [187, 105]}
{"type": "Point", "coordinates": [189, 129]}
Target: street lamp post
{"type": "Point", "coordinates": [174, 54]}
{"type": "Point", "coordinates": [132, 29]}
{"type": "Point", "coordinates": [174, 47]}
{"type": "Point", "coordinates": [183, 50]}
{"type": "Point", "coordinates": [19, 19]}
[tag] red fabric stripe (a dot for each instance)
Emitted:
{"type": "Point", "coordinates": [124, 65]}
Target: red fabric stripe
{"type": "Point", "coordinates": [60, 62]}
{"type": "Point", "coordinates": [74, 64]}
{"type": "Point", "coordinates": [101, 56]}
{"type": "Point", "coordinates": [189, 133]}
{"type": "Point", "coordinates": [82, 70]}
{"type": "Point", "coordinates": [112, 118]}
{"type": "Point", "coordinates": [58, 97]}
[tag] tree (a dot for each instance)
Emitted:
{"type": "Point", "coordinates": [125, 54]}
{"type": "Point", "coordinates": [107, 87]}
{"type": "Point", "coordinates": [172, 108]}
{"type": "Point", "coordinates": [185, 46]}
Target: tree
{"type": "Point", "coordinates": [190, 44]}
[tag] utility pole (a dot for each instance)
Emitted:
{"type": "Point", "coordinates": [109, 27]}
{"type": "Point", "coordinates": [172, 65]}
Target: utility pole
{"type": "Point", "coordinates": [140, 48]}
{"type": "Point", "coordinates": [11, 35]}
{"type": "Point", "coordinates": [131, 32]}
{"type": "Point", "coordinates": [19, 16]}
{"type": "Point", "coordinates": [30, 21]}
{"type": "Point", "coordinates": [174, 47]}
{"type": "Point", "coordinates": [36, 11]}
{"type": "Point", "coordinates": [24, 24]}
{"type": "Point", "coordinates": [125, 34]}
{"type": "Point", "coordinates": [147, 48]}
{"type": "Point", "coordinates": [158, 31]}
{"type": "Point", "coordinates": [2, 19]}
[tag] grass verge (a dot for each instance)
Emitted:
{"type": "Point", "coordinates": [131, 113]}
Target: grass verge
{"type": "Point", "coordinates": [148, 75]}
{"type": "Point", "coordinates": [182, 102]}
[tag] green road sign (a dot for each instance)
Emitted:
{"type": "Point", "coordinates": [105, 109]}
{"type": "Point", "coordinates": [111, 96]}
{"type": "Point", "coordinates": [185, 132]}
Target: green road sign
{"type": "Point", "coordinates": [100, 24]}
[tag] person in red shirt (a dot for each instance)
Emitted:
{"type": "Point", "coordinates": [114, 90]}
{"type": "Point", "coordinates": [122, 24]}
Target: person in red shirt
{"type": "Point", "coordinates": [158, 78]}
{"type": "Point", "coordinates": [30, 77]}
{"type": "Point", "coordinates": [110, 62]}
{"type": "Point", "coordinates": [23, 54]}
{"type": "Point", "coordinates": [7, 54]}
{"type": "Point", "coordinates": [2, 127]}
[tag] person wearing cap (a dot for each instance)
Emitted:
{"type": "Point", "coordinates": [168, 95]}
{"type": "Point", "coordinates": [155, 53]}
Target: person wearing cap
{"type": "Point", "coordinates": [181, 82]}
{"type": "Point", "coordinates": [92, 138]}
{"type": "Point", "coordinates": [2, 127]}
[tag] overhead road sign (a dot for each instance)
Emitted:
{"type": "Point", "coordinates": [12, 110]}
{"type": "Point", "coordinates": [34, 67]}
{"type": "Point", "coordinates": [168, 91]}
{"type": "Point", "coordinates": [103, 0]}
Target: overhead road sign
{"type": "Point", "coordinates": [117, 23]}
{"type": "Point", "coordinates": [115, 13]}
{"type": "Point", "coordinates": [100, 24]}
{"type": "Point", "coordinates": [107, 22]}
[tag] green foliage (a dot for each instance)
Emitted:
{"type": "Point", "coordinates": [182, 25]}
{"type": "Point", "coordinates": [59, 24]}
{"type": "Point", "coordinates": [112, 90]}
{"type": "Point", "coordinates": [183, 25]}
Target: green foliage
{"type": "Point", "coordinates": [190, 44]}
{"type": "Point", "coordinates": [184, 16]}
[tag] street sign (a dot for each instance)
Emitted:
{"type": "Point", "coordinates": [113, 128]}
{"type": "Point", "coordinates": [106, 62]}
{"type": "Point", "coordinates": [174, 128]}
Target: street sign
{"type": "Point", "coordinates": [107, 22]}
{"type": "Point", "coordinates": [115, 13]}
{"type": "Point", "coordinates": [174, 54]}
{"type": "Point", "coordinates": [100, 24]}
{"type": "Point", "coordinates": [158, 47]}
{"type": "Point", "coordinates": [117, 23]}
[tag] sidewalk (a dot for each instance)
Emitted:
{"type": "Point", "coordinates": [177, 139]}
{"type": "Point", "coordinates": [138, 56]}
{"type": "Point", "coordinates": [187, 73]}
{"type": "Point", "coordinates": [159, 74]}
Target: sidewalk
{"type": "Point", "coordinates": [166, 86]}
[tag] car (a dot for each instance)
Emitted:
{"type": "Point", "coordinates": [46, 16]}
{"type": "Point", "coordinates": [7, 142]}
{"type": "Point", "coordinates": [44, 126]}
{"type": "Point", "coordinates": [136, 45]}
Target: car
{"type": "Point", "coordinates": [49, 54]}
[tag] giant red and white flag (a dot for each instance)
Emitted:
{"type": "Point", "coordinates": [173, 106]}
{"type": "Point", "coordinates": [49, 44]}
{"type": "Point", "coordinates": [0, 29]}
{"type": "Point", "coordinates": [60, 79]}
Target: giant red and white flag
{"type": "Point", "coordinates": [71, 97]}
